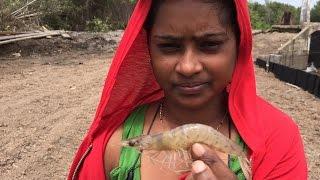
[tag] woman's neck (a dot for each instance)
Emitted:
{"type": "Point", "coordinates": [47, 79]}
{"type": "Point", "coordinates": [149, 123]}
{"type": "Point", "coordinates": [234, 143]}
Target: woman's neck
{"type": "Point", "coordinates": [210, 114]}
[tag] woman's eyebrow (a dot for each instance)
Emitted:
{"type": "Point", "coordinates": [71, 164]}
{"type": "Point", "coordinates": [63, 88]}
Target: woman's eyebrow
{"type": "Point", "coordinates": [210, 35]}
{"type": "Point", "coordinates": [168, 37]}
{"type": "Point", "coordinates": [199, 36]}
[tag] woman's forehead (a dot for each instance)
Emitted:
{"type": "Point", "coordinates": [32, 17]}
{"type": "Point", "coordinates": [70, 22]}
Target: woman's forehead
{"type": "Point", "coordinates": [187, 17]}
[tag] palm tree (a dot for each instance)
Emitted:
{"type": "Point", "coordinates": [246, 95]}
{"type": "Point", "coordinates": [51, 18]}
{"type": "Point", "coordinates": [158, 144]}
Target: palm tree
{"type": "Point", "coordinates": [305, 11]}
{"type": "Point", "coordinates": [268, 11]}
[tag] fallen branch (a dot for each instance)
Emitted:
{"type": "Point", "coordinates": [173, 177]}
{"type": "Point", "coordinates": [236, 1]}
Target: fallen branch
{"type": "Point", "coordinates": [28, 15]}
{"type": "Point", "coordinates": [255, 32]}
{"type": "Point", "coordinates": [20, 9]}
{"type": "Point", "coordinates": [2, 38]}
{"type": "Point", "coordinates": [294, 86]}
{"type": "Point", "coordinates": [40, 35]}
{"type": "Point", "coordinates": [9, 33]}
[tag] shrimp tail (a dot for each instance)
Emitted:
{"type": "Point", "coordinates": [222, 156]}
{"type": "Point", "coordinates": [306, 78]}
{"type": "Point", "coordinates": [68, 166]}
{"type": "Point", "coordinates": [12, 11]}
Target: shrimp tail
{"type": "Point", "coordinates": [246, 167]}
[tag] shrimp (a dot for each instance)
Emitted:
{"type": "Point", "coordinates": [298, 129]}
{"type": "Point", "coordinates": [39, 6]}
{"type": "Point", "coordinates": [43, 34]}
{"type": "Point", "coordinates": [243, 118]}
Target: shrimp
{"type": "Point", "coordinates": [183, 137]}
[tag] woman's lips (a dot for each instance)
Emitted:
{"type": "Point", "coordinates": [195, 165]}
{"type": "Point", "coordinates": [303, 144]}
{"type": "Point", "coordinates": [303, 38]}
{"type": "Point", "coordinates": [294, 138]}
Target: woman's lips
{"type": "Point", "coordinates": [191, 88]}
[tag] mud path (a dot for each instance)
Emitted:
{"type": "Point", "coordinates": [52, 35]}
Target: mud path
{"type": "Point", "coordinates": [46, 107]}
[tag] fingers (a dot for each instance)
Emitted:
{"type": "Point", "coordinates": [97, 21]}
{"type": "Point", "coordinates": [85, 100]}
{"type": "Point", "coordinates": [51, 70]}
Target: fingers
{"type": "Point", "coordinates": [201, 171]}
{"type": "Point", "coordinates": [212, 161]}
{"type": "Point", "coordinates": [207, 155]}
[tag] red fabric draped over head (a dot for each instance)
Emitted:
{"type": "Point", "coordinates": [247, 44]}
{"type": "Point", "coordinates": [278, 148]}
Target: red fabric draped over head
{"type": "Point", "coordinates": [130, 83]}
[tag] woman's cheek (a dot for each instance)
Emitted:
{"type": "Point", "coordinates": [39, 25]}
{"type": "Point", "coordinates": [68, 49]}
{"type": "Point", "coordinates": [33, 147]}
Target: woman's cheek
{"type": "Point", "coordinates": [161, 72]}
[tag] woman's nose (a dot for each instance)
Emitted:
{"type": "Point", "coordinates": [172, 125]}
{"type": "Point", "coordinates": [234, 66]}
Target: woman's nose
{"type": "Point", "coordinates": [189, 64]}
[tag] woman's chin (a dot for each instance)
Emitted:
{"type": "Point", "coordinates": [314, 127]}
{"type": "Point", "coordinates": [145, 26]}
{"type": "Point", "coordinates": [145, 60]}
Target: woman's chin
{"type": "Point", "coordinates": [193, 101]}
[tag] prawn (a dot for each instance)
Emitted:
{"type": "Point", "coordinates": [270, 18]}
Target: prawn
{"type": "Point", "coordinates": [183, 137]}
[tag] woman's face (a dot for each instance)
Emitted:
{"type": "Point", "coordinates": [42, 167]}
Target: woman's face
{"type": "Point", "coordinates": [193, 54]}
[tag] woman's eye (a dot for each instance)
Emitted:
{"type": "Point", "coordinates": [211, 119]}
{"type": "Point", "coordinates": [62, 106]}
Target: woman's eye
{"type": "Point", "coordinates": [210, 46]}
{"type": "Point", "coordinates": [169, 47]}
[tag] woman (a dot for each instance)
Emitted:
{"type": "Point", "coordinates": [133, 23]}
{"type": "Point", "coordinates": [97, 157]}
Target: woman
{"type": "Point", "coordinates": [182, 62]}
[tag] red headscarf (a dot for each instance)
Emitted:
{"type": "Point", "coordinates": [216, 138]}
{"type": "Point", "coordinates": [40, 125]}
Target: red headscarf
{"type": "Point", "coordinates": [274, 140]}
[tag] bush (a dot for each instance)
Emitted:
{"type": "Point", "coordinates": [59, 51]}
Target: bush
{"type": "Point", "coordinates": [8, 21]}
{"type": "Point", "coordinates": [264, 16]}
{"type": "Point", "coordinates": [77, 15]}
{"type": "Point", "coordinates": [258, 15]}
{"type": "Point", "coordinates": [98, 25]}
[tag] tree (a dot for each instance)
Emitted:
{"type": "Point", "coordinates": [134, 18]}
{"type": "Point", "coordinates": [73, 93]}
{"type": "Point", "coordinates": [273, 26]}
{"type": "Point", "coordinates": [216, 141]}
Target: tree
{"type": "Point", "coordinates": [259, 16]}
{"type": "Point", "coordinates": [315, 13]}
{"type": "Point", "coordinates": [263, 16]}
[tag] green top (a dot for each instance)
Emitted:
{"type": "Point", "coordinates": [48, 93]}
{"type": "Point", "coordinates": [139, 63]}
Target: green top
{"type": "Point", "coordinates": [133, 127]}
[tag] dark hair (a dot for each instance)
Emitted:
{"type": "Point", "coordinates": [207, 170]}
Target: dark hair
{"type": "Point", "coordinates": [227, 14]}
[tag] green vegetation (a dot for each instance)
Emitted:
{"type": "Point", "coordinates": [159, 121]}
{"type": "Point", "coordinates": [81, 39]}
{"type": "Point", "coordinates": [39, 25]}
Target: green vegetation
{"type": "Point", "coordinates": [264, 16]}
{"type": "Point", "coordinates": [105, 15]}
{"type": "Point", "coordinates": [76, 15]}
{"type": "Point", "coordinates": [315, 13]}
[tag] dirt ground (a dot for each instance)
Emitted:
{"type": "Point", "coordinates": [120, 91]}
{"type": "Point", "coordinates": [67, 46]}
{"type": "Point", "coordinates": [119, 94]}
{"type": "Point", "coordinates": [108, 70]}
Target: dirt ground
{"type": "Point", "coordinates": [47, 102]}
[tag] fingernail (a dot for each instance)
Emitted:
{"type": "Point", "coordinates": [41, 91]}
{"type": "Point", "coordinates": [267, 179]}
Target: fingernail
{"type": "Point", "coordinates": [198, 167]}
{"type": "Point", "coordinates": [198, 150]}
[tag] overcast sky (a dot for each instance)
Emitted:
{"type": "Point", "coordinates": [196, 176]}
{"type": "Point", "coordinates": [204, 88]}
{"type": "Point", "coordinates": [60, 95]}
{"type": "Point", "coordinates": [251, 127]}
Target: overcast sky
{"type": "Point", "coordinates": [291, 2]}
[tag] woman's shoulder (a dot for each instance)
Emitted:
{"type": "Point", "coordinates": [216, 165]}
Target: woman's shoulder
{"type": "Point", "coordinates": [113, 149]}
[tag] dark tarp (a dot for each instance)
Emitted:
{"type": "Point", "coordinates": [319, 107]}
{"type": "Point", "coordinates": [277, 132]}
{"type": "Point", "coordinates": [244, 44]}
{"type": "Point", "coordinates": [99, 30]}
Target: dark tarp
{"type": "Point", "coordinates": [307, 81]}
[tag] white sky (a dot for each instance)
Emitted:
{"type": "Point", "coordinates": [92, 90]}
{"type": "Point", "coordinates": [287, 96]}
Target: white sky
{"type": "Point", "coordinates": [296, 3]}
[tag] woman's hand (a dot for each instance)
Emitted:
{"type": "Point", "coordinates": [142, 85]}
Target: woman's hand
{"type": "Point", "coordinates": [208, 166]}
